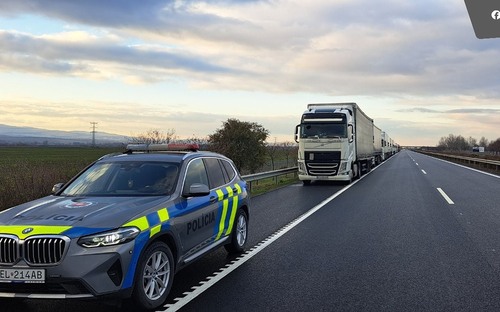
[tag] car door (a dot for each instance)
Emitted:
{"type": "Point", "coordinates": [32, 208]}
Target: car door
{"type": "Point", "coordinates": [227, 196]}
{"type": "Point", "coordinates": [197, 223]}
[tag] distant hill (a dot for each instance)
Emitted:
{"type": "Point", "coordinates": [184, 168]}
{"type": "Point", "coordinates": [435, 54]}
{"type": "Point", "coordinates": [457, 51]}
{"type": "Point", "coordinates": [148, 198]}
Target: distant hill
{"type": "Point", "coordinates": [10, 135]}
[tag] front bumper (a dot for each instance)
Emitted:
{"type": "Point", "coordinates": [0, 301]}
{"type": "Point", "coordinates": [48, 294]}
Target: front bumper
{"type": "Point", "coordinates": [306, 177]}
{"type": "Point", "coordinates": [82, 273]}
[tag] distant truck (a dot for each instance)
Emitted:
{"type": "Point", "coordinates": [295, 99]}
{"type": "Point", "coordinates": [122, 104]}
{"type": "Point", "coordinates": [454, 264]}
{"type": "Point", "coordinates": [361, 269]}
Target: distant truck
{"type": "Point", "coordinates": [336, 142]}
{"type": "Point", "coordinates": [377, 145]}
{"type": "Point", "coordinates": [389, 147]}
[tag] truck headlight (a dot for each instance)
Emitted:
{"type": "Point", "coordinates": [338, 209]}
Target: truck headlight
{"type": "Point", "coordinates": [111, 238]}
{"type": "Point", "coordinates": [302, 167]}
{"type": "Point", "coordinates": [343, 166]}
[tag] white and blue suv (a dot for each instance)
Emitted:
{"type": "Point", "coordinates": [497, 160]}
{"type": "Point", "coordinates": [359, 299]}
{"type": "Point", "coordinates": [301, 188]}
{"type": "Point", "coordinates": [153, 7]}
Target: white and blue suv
{"type": "Point", "coordinates": [124, 226]}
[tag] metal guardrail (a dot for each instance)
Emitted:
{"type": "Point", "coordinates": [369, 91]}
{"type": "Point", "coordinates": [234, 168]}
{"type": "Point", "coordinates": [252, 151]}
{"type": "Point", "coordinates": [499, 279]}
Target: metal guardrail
{"type": "Point", "coordinates": [484, 163]}
{"type": "Point", "coordinates": [256, 177]}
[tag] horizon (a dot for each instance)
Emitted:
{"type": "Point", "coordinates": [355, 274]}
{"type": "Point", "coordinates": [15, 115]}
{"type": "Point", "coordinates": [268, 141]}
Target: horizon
{"type": "Point", "coordinates": [108, 140]}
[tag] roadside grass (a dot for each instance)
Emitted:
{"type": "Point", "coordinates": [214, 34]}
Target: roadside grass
{"type": "Point", "coordinates": [30, 172]}
{"type": "Point", "coordinates": [269, 184]}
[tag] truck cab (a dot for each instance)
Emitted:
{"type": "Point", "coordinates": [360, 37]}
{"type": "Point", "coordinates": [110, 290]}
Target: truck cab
{"type": "Point", "coordinates": [327, 147]}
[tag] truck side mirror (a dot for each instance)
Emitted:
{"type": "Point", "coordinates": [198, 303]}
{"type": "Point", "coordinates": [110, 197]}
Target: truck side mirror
{"type": "Point", "coordinates": [297, 133]}
{"type": "Point", "coordinates": [350, 133]}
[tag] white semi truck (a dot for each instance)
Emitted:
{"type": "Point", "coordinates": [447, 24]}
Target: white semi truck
{"type": "Point", "coordinates": [377, 144]}
{"type": "Point", "coordinates": [336, 142]}
{"type": "Point", "coordinates": [389, 147]}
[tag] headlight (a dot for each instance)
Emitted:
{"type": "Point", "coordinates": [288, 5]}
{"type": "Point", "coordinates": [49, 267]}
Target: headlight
{"type": "Point", "coordinates": [302, 167]}
{"type": "Point", "coordinates": [343, 166]}
{"type": "Point", "coordinates": [110, 238]}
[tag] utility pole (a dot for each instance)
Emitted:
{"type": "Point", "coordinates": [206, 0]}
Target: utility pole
{"type": "Point", "coordinates": [94, 124]}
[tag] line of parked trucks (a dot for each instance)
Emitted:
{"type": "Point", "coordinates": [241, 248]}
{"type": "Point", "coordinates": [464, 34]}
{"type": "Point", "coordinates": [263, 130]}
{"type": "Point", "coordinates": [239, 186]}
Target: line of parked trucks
{"type": "Point", "coordinates": [339, 142]}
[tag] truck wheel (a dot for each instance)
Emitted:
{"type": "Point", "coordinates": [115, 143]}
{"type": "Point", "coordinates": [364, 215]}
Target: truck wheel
{"type": "Point", "coordinates": [154, 276]}
{"type": "Point", "coordinates": [306, 182]}
{"type": "Point", "coordinates": [239, 234]}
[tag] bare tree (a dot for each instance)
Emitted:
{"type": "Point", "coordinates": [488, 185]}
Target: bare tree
{"type": "Point", "coordinates": [202, 142]}
{"type": "Point", "coordinates": [155, 136]}
{"type": "Point", "coordinates": [483, 142]}
{"type": "Point", "coordinates": [272, 150]}
{"type": "Point", "coordinates": [472, 142]}
{"type": "Point", "coordinates": [454, 143]}
{"type": "Point", "coordinates": [290, 153]}
{"type": "Point", "coordinates": [494, 146]}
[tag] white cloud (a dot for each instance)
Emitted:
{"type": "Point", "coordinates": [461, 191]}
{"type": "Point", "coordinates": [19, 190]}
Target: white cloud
{"type": "Point", "coordinates": [419, 55]}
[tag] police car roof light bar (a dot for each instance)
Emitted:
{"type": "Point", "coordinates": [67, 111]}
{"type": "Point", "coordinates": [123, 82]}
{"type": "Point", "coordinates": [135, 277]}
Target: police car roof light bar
{"type": "Point", "coordinates": [193, 147]}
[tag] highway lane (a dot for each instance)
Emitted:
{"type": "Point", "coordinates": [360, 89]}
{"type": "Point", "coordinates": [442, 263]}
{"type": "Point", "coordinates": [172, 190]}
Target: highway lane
{"type": "Point", "coordinates": [389, 243]}
{"type": "Point", "coordinates": [476, 204]}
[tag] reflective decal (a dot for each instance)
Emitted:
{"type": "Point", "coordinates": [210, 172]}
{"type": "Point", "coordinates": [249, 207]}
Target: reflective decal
{"type": "Point", "coordinates": [78, 204]}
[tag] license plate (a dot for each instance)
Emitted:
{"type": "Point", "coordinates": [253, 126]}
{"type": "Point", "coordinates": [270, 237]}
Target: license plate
{"type": "Point", "coordinates": [22, 275]}
{"type": "Point", "coordinates": [322, 178]}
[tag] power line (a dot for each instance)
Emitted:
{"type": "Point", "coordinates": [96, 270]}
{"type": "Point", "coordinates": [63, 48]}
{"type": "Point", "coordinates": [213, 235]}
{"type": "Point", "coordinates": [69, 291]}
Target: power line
{"type": "Point", "coordinates": [94, 125]}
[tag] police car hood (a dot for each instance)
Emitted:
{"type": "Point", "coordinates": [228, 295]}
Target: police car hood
{"type": "Point", "coordinates": [93, 212]}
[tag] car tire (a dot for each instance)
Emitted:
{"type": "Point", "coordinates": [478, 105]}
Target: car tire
{"type": "Point", "coordinates": [154, 276]}
{"type": "Point", "coordinates": [239, 235]}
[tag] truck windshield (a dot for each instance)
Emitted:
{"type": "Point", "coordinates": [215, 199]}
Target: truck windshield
{"type": "Point", "coordinates": [323, 130]}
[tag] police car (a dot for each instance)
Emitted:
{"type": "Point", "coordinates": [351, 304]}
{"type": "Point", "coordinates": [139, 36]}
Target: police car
{"type": "Point", "coordinates": [124, 226]}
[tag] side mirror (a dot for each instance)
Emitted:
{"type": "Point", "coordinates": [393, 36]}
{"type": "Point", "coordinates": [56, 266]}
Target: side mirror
{"type": "Point", "coordinates": [57, 187]}
{"type": "Point", "coordinates": [196, 190]}
{"type": "Point", "coordinates": [350, 132]}
{"type": "Point", "coordinates": [297, 133]}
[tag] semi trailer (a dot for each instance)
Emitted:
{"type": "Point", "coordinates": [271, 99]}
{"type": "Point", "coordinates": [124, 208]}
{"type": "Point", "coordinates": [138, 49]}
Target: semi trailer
{"type": "Point", "coordinates": [336, 142]}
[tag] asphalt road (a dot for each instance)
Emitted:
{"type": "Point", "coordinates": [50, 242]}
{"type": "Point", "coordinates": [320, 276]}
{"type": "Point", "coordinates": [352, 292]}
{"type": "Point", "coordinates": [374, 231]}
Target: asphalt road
{"type": "Point", "coordinates": [416, 234]}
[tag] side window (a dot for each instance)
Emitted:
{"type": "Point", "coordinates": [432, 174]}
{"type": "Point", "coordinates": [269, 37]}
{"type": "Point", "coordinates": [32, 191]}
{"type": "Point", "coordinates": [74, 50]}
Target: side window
{"type": "Point", "coordinates": [196, 173]}
{"type": "Point", "coordinates": [216, 176]}
{"type": "Point", "coordinates": [229, 169]}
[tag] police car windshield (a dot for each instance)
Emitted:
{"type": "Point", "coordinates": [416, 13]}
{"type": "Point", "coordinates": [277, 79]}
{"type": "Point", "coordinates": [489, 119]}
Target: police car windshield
{"type": "Point", "coordinates": [125, 179]}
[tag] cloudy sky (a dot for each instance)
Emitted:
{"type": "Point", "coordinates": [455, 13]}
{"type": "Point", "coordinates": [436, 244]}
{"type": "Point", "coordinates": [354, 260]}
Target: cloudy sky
{"type": "Point", "coordinates": [415, 67]}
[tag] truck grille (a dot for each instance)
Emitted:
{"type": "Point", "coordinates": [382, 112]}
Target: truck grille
{"type": "Point", "coordinates": [37, 250]}
{"type": "Point", "coordinates": [318, 169]}
{"type": "Point", "coordinates": [322, 163]}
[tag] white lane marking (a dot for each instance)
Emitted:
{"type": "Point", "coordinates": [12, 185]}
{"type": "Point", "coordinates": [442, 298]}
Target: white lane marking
{"type": "Point", "coordinates": [446, 197]}
{"type": "Point", "coordinates": [416, 163]}
{"type": "Point", "coordinates": [423, 171]}
{"type": "Point", "coordinates": [223, 272]}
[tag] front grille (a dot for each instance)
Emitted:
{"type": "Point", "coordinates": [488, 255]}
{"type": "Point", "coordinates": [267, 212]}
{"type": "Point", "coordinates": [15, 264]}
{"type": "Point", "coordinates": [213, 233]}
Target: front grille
{"type": "Point", "coordinates": [322, 169]}
{"type": "Point", "coordinates": [323, 156]}
{"type": "Point", "coordinates": [44, 250]}
{"type": "Point", "coordinates": [9, 251]}
{"type": "Point", "coordinates": [36, 250]}
{"type": "Point", "coordinates": [322, 163]}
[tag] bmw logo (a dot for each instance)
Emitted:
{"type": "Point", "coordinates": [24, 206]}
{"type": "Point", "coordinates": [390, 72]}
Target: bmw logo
{"type": "Point", "coordinates": [27, 230]}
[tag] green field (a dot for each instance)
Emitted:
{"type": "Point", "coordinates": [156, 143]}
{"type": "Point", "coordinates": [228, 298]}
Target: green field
{"type": "Point", "coordinates": [29, 173]}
